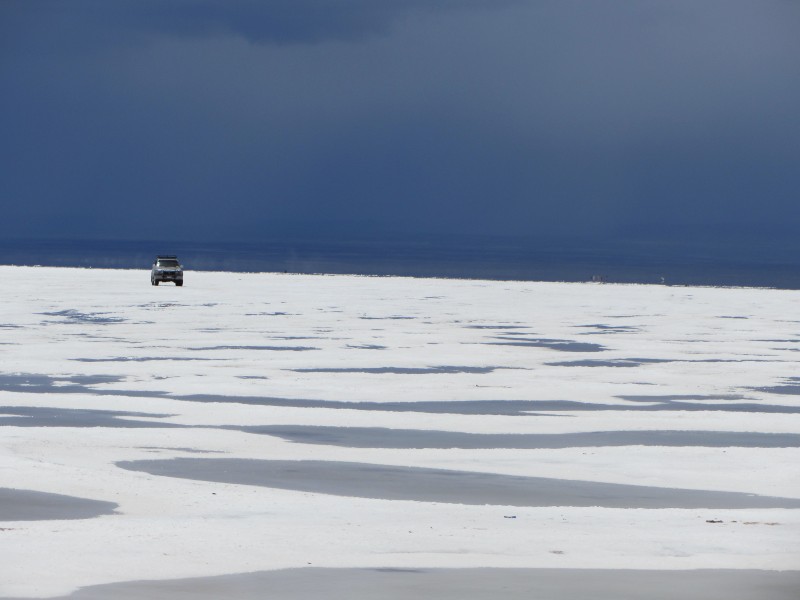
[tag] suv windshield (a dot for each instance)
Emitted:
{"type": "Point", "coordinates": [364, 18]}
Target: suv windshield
{"type": "Point", "coordinates": [169, 262]}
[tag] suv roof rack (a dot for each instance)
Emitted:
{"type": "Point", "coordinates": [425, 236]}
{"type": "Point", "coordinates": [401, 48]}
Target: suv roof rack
{"type": "Point", "coordinates": [167, 256]}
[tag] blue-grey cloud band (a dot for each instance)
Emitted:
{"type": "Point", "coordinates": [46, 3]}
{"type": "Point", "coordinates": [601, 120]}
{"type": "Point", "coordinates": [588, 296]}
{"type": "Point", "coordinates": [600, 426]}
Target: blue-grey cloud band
{"type": "Point", "coordinates": [508, 118]}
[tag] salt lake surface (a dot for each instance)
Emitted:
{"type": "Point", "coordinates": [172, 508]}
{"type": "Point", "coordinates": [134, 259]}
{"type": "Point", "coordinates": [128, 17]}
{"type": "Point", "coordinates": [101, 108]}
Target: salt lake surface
{"type": "Point", "coordinates": [357, 428]}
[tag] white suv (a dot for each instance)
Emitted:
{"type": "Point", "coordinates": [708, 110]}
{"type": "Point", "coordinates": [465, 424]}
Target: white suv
{"type": "Point", "coordinates": [166, 268]}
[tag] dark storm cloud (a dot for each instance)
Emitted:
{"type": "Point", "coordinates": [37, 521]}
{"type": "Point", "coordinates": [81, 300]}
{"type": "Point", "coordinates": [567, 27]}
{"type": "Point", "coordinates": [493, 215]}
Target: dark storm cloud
{"type": "Point", "coordinates": [272, 21]}
{"type": "Point", "coordinates": [526, 117]}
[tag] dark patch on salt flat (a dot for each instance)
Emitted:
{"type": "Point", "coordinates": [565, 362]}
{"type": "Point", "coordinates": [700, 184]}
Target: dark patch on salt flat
{"type": "Point", "coordinates": [668, 398]}
{"type": "Point", "coordinates": [496, 327]}
{"type": "Point", "coordinates": [46, 416]}
{"type": "Point", "coordinates": [187, 450]}
{"type": "Point", "coordinates": [790, 387]}
{"type": "Point", "coordinates": [145, 359]}
{"type": "Point", "coordinates": [467, 407]}
{"type": "Point", "coordinates": [439, 370]}
{"type": "Point", "coordinates": [365, 347]}
{"type": "Point", "coordinates": [616, 362]}
{"type": "Point", "coordinates": [76, 317]}
{"type": "Point", "coordinates": [604, 329]}
{"type": "Point", "coordinates": [251, 377]}
{"type": "Point", "coordinates": [388, 482]}
{"type": "Point", "coordinates": [27, 505]}
{"type": "Point", "coordinates": [163, 305]}
{"type": "Point", "coordinates": [637, 362]}
{"type": "Point", "coordinates": [560, 345]}
{"type": "Point", "coordinates": [397, 570]}
{"type": "Point", "coordinates": [312, 583]}
{"type": "Point", "coordinates": [378, 437]}
{"type": "Point", "coordinates": [271, 348]}
{"type": "Point", "coordinates": [105, 338]}
{"type": "Point", "coordinates": [391, 318]}
{"type": "Point", "coordinates": [80, 384]}
{"type": "Point", "coordinates": [70, 384]}
{"type": "Point", "coordinates": [694, 403]}
{"type": "Point", "coordinates": [727, 360]}
{"type": "Point", "coordinates": [786, 390]}
{"type": "Point", "coordinates": [31, 382]}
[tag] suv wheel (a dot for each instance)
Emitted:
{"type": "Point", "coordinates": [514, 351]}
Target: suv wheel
{"type": "Point", "coordinates": [179, 283]}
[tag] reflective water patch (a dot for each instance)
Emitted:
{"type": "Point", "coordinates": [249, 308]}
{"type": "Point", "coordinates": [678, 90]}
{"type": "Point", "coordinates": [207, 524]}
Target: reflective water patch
{"type": "Point", "coordinates": [76, 317]}
{"type": "Point", "coordinates": [560, 345]}
{"type": "Point", "coordinates": [46, 416]}
{"type": "Point", "coordinates": [271, 348]}
{"type": "Point", "coordinates": [615, 362]}
{"type": "Point", "coordinates": [388, 482]}
{"type": "Point", "coordinates": [380, 437]}
{"type": "Point", "coordinates": [312, 583]}
{"type": "Point", "coordinates": [27, 505]}
{"type": "Point", "coordinates": [450, 370]}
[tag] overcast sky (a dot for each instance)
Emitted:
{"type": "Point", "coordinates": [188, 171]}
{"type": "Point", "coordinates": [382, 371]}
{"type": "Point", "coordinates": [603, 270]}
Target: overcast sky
{"type": "Point", "coordinates": [227, 120]}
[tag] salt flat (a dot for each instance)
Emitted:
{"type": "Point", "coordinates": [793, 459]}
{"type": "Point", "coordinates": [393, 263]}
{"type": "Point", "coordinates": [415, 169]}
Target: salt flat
{"type": "Point", "coordinates": [339, 425]}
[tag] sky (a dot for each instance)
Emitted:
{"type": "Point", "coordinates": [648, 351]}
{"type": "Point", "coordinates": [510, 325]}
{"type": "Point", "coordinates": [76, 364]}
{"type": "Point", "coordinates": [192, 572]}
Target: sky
{"type": "Point", "coordinates": [226, 120]}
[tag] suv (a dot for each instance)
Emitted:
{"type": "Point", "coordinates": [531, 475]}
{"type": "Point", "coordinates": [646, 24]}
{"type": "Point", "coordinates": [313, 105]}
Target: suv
{"type": "Point", "coordinates": [166, 268]}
